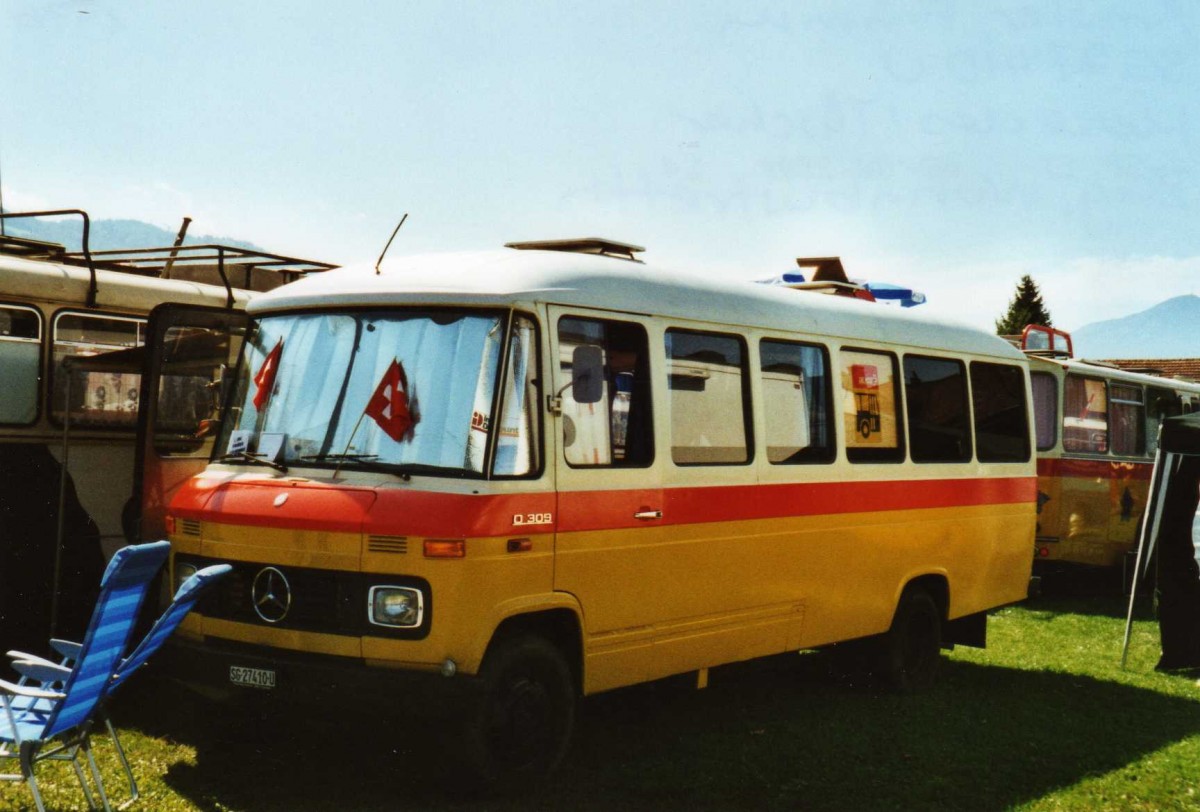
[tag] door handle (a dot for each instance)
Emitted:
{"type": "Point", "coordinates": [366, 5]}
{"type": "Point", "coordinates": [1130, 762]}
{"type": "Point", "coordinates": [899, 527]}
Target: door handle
{"type": "Point", "coordinates": [648, 515]}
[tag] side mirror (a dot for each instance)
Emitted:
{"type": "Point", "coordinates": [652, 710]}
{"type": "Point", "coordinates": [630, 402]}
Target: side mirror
{"type": "Point", "coordinates": [587, 374]}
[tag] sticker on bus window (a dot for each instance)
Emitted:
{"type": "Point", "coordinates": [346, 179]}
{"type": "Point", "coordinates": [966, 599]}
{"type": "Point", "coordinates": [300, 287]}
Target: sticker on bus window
{"type": "Point", "coordinates": [865, 376]}
{"type": "Point", "coordinates": [239, 441]}
{"type": "Point", "coordinates": [869, 411]}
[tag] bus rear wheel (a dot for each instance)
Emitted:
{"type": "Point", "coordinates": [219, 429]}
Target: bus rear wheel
{"type": "Point", "coordinates": [912, 647]}
{"type": "Point", "coordinates": [521, 728]}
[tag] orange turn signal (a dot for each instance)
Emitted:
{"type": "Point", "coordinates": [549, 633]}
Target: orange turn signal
{"type": "Point", "coordinates": [170, 523]}
{"type": "Point", "coordinates": [445, 548]}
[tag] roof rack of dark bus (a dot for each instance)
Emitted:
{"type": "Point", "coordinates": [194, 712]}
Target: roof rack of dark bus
{"type": "Point", "coordinates": [196, 263]}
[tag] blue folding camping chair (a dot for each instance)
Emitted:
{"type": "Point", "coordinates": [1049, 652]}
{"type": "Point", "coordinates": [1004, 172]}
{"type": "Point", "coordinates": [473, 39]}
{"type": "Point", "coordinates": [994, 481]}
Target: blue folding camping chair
{"type": "Point", "coordinates": [54, 723]}
{"type": "Point", "coordinates": [189, 592]}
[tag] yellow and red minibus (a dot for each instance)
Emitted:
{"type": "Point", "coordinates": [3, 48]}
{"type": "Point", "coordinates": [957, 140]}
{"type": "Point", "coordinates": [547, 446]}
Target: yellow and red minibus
{"type": "Point", "coordinates": [515, 477]}
{"type": "Point", "coordinates": [1097, 431]}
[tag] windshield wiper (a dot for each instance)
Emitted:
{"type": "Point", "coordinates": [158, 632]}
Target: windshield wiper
{"type": "Point", "coordinates": [434, 470]}
{"type": "Point", "coordinates": [364, 461]}
{"type": "Point", "coordinates": [253, 459]}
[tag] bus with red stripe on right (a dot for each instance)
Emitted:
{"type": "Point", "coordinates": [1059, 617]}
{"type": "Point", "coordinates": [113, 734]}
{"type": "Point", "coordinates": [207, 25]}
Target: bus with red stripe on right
{"type": "Point", "coordinates": [1097, 431]}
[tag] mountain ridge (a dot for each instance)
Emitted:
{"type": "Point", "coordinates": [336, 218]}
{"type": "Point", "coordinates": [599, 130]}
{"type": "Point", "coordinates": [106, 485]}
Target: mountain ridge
{"type": "Point", "coordinates": [1151, 333]}
{"type": "Point", "coordinates": [107, 235]}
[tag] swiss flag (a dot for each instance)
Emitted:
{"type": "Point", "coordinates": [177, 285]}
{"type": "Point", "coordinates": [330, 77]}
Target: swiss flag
{"type": "Point", "coordinates": [264, 379]}
{"type": "Point", "coordinates": [390, 407]}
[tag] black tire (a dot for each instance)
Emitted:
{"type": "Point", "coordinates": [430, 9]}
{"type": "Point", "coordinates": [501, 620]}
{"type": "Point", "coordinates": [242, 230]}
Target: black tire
{"type": "Point", "coordinates": [911, 651]}
{"type": "Point", "coordinates": [521, 729]}
{"type": "Point", "coordinates": [864, 428]}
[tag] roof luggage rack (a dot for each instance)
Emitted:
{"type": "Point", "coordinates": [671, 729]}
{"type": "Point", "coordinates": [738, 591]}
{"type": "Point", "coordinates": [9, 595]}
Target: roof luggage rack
{"type": "Point", "coordinates": [825, 269]}
{"type": "Point", "coordinates": [30, 249]}
{"type": "Point", "coordinates": [583, 245]}
{"type": "Point", "coordinates": [828, 275]}
{"type": "Point", "coordinates": [207, 264]}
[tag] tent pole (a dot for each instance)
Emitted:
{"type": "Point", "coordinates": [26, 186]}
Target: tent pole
{"type": "Point", "coordinates": [62, 506]}
{"type": "Point", "coordinates": [1148, 531]}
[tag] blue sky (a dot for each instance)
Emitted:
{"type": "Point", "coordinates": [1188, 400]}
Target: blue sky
{"type": "Point", "coordinates": [953, 146]}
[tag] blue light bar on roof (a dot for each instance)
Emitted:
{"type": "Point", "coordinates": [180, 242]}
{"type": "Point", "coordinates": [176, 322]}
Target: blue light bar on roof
{"type": "Point", "coordinates": [785, 278]}
{"type": "Point", "coordinates": [887, 292]}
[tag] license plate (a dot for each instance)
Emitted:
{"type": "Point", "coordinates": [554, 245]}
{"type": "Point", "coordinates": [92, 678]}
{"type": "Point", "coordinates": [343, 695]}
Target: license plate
{"type": "Point", "coordinates": [252, 677]}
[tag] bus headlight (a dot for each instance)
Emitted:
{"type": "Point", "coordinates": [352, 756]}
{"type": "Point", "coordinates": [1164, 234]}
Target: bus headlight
{"type": "Point", "coordinates": [398, 607]}
{"type": "Point", "coordinates": [183, 571]}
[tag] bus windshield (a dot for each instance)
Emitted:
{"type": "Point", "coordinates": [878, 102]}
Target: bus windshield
{"type": "Point", "coordinates": [400, 390]}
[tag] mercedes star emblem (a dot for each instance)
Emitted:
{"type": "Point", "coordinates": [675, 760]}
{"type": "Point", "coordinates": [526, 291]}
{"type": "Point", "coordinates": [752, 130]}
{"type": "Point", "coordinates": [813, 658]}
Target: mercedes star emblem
{"type": "Point", "coordinates": [272, 595]}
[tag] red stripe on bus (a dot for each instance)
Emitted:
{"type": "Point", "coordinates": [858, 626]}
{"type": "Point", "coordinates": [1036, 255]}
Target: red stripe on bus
{"type": "Point", "coordinates": [338, 509]}
{"type": "Point", "coordinates": [1094, 469]}
{"type": "Point", "coordinates": [456, 515]}
{"type": "Point", "coordinates": [448, 515]}
{"type": "Point", "coordinates": [598, 510]}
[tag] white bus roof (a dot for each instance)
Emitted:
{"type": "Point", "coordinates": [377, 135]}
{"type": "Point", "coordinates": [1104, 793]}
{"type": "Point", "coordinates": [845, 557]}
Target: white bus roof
{"type": "Point", "coordinates": [511, 277]}
{"type": "Point", "coordinates": [40, 280]}
{"type": "Point", "coordinates": [1096, 370]}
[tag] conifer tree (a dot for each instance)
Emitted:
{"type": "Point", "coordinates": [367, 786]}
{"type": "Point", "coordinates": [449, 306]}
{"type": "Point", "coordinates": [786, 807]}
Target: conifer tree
{"type": "Point", "coordinates": [1025, 308]}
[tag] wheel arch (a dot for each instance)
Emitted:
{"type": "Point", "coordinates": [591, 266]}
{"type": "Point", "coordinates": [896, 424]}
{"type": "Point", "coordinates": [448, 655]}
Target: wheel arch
{"type": "Point", "coordinates": [936, 584]}
{"type": "Point", "coordinates": [559, 626]}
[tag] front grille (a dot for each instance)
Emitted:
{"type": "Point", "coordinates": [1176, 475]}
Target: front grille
{"type": "Point", "coordinates": [318, 601]}
{"type": "Point", "coordinates": [189, 527]}
{"type": "Point", "coordinates": [327, 601]}
{"type": "Point", "coordinates": [387, 544]}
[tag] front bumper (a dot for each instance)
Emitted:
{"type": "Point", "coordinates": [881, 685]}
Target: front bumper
{"type": "Point", "coordinates": [344, 682]}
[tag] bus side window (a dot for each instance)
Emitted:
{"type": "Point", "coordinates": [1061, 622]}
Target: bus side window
{"type": "Point", "coordinates": [517, 444]}
{"type": "Point", "coordinates": [99, 398]}
{"type": "Point", "coordinates": [935, 401]}
{"type": "Point", "coordinates": [616, 430]}
{"type": "Point", "coordinates": [710, 398]}
{"type": "Point", "coordinates": [1045, 409]}
{"type": "Point", "coordinates": [1160, 404]}
{"type": "Point", "coordinates": [795, 387]}
{"type": "Point", "coordinates": [1001, 421]}
{"type": "Point", "coordinates": [20, 364]}
{"type": "Point", "coordinates": [195, 361]}
{"type": "Point", "coordinates": [869, 406]}
{"type": "Point", "coordinates": [1128, 420]}
{"type": "Point", "coordinates": [1085, 415]}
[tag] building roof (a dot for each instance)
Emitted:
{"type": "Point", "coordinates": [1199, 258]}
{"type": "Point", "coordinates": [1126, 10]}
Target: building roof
{"type": "Point", "coordinates": [1187, 369]}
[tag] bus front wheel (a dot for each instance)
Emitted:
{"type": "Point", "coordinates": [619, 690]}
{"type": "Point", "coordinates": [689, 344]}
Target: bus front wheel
{"type": "Point", "coordinates": [522, 726]}
{"type": "Point", "coordinates": [911, 648]}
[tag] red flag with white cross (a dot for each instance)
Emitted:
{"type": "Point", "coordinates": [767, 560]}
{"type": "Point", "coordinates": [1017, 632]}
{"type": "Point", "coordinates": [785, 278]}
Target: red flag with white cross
{"type": "Point", "coordinates": [390, 406]}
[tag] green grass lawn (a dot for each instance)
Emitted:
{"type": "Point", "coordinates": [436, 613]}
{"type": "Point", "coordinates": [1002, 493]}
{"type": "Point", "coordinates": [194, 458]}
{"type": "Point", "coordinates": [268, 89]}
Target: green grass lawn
{"type": "Point", "coordinates": [1043, 719]}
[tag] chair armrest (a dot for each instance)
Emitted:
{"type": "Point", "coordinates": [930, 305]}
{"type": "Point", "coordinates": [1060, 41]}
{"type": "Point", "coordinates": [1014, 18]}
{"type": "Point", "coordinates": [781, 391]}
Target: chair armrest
{"type": "Point", "coordinates": [41, 671]}
{"type": "Point", "coordinates": [67, 648]}
{"type": "Point", "coordinates": [25, 690]}
{"type": "Point", "coordinates": [29, 658]}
